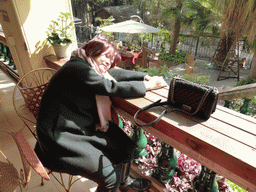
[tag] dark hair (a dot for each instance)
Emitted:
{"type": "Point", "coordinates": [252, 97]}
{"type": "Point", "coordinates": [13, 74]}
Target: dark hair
{"type": "Point", "coordinates": [100, 45]}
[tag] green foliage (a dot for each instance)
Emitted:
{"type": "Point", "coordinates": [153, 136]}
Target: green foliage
{"type": "Point", "coordinates": [200, 18]}
{"type": "Point", "coordinates": [178, 57]}
{"type": "Point", "coordinates": [161, 71]}
{"type": "Point", "coordinates": [234, 186]}
{"type": "Point", "coordinates": [199, 79]}
{"type": "Point", "coordinates": [59, 32]}
{"type": "Point", "coordinates": [147, 37]}
{"type": "Point", "coordinates": [133, 40]}
{"type": "Point", "coordinates": [106, 22]}
{"type": "Point", "coordinates": [135, 47]}
{"type": "Point", "coordinates": [249, 46]}
{"type": "Point", "coordinates": [245, 82]}
{"type": "Point", "coordinates": [164, 35]}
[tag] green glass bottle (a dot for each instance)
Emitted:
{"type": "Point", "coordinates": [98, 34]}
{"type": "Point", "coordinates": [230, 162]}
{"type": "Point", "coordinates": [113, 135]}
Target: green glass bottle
{"type": "Point", "coordinates": [9, 55]}
{"type": "Point", "coordinates": [1, 51]}
{"type": "Point", "coordinates": [167, 162]}
{"type": "Point", "coordinates": [227, 103]}
{"type": "Point", "coordinates": [206, 181]}
{"type": "Point", "coordinates": [5, 52]}
{"type": "Point", "coordinates": [245, 107]}
{"type": "Point", "coordinates": [141, 140]}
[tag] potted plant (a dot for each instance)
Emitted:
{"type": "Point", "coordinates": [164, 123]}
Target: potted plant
{"type": "Point", "coordinates": [59, 34]}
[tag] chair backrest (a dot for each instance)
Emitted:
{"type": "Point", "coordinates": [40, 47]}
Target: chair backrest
{"type": "Point", "coordinates": [28, 93]}
{"type": "Point", "coordinates": [145, 53]}
{"type": "Point", "coordinates": [33, 97]}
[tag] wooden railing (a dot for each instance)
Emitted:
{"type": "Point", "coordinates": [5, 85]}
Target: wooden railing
{"type": "Point", "coordinates": [244, 91]}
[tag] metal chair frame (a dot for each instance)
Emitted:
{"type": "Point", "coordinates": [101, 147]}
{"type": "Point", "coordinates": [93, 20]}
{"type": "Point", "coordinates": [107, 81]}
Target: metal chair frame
{"type": "Point", "coordinates": [34, 83]}
{"type": "Point", "coordinates": [28, 158]}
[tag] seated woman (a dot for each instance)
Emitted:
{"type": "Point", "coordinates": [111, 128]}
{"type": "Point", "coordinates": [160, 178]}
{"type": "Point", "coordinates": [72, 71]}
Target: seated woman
{"type": "Point", "coordinates": [76, 134]}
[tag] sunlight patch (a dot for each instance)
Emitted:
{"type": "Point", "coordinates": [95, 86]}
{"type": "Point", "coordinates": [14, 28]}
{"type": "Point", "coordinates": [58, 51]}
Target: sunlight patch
{"type": "Point", "coordinates": [6, 85]}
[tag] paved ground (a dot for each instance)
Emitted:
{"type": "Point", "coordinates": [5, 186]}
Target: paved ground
{"type": "Point", "coordinates": [207, 68]}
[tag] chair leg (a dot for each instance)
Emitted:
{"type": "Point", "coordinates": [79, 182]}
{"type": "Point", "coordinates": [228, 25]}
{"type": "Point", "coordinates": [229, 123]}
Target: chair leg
{"type": "Point", "coordinates": [42, 181]}
{"type": "Point", "coordinates": [69, 182]}
{"type": "Point", "coordinates": [21, 188]}
{"type": "Point", "coordinates": [62, 182]}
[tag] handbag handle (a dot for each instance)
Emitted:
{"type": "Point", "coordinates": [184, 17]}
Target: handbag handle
{"type": "Point", "coordinates": [159, 103]}
{"type": "Point", "coordinates": [155, 104]}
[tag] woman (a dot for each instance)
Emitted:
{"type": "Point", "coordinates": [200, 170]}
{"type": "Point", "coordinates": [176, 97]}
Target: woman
{"type": "Point", "coordinates": [74, 128]}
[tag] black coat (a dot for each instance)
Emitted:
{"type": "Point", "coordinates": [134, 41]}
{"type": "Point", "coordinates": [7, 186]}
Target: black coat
{"type": "Point", "coordinates": [67, 139]}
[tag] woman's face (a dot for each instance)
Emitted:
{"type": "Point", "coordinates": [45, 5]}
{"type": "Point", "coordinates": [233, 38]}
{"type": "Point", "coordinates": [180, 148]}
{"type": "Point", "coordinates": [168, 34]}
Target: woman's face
{"type": "Point", "coordinates": [104, 61]}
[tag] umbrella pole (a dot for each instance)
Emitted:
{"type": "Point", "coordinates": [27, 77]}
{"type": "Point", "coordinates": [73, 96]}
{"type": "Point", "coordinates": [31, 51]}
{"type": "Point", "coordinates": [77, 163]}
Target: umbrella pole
{"type": "Point", "coordinates": [152, 41]}
{"type": "Point", "coordinates": [141, 42]}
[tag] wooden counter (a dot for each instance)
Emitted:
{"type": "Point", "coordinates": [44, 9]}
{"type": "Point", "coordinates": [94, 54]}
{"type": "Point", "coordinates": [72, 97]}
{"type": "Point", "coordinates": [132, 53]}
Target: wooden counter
{"type": "Point", "coordinates": [53, 62]}
{"type": "Point", "coordinates": [225, 143]}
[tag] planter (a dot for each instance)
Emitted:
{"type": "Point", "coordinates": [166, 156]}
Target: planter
{"type": "Point", "coordinates": [62, 51]}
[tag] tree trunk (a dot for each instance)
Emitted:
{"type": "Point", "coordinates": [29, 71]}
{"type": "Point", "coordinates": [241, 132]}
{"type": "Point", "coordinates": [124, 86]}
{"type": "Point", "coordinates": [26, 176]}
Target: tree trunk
{"type": "Point", "coordinates": [223, 48]}
{"type": "Point", "coordinates": [80, 10]}
{"type": "Point", "coordinates": [175, 36]}
{"type": "Point", "coordinates": [252, 73]}
{"type": "Point", "coordinates": [176, 30]}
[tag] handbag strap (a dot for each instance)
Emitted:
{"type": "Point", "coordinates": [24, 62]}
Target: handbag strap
{"type": "Point", "coordinates": [155, 104]}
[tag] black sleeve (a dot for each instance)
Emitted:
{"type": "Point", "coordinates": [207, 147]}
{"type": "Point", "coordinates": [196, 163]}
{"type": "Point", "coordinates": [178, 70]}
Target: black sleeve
{"type": "Point", "coordinates": [126, 89]}
{"type": "Point", "coordinates": [126, 75]}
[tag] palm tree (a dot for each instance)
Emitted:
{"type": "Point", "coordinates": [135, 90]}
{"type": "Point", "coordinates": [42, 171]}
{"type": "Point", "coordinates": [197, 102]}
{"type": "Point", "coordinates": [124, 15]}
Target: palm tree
{"type": "Point", "coordinates": [190, 13]}
{"type": "Point", "coordinates": [175, 11]}
{"type": "Point", "coordinates": [200, 18]}
{"type": "Point", "coordinates": [237, 20]}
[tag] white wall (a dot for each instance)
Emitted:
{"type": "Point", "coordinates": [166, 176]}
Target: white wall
{"type": "Point", "coordinates": [29, 20]}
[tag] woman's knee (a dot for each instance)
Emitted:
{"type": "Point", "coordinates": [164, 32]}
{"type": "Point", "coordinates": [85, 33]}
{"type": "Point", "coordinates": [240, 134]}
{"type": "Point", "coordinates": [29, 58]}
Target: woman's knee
{"type": "Point", "coordinates": [110, 179]}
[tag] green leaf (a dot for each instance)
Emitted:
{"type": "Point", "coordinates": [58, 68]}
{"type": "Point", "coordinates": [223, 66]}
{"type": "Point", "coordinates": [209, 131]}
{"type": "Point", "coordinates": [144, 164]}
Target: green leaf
{"type": "Point", "coordinates": [60, 30]}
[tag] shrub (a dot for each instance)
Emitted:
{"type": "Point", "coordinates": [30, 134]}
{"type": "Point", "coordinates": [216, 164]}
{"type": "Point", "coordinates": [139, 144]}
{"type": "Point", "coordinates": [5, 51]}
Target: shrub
{"type": "Point", "coordinates": [177, 58]}
{"type": "Point", "coordinates": [245, 82]}
{"type": "Point", "coordinates": [199, 79]}
{"type": "Point", "coordinates": [161, 71]}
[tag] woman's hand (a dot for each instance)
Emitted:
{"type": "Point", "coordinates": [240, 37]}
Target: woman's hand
{"type": "Point", "coordinates": [154, 82]}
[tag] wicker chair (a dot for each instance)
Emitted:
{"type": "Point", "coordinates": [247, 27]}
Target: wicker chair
{"type": "Point", "coordinates": [10, 179]}
{"type": "Point", "coordinates": [28, 93]}
{"type": "Point", "coordinates": [27, 96]}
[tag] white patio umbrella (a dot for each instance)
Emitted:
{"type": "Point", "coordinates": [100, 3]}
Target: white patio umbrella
{"type": "Point", "coordinates": [130, 26]}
